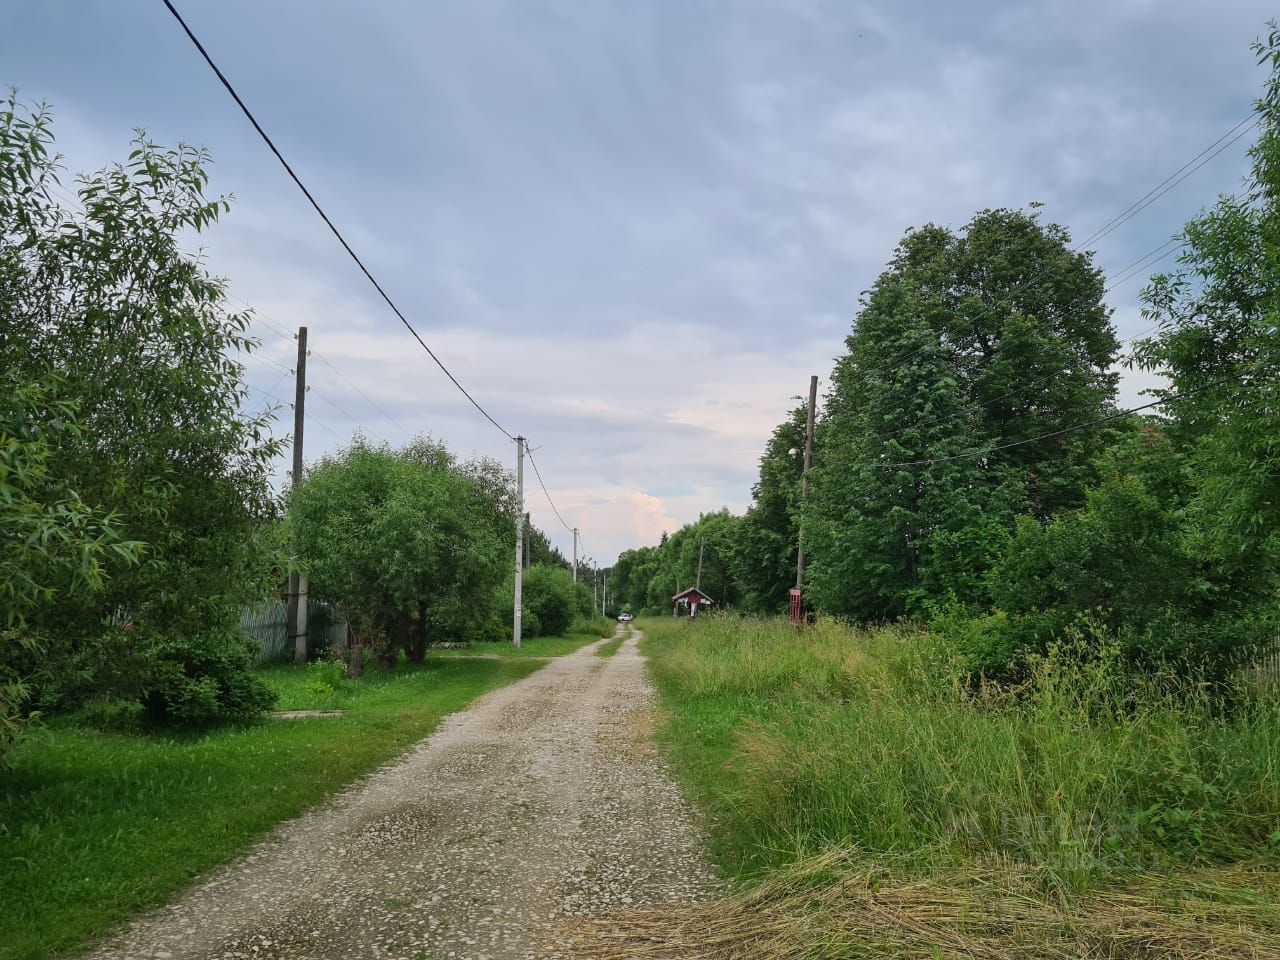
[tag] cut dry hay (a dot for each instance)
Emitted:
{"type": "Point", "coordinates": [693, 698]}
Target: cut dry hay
{"type": "Point", "coordinates": [830, 908]}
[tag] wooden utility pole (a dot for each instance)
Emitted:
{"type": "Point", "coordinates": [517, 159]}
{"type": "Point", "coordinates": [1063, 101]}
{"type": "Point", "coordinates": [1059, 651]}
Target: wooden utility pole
{"type": "Point", "coordinates": [296, 615]}
{"type": "Point", "coordinates": [604, 596]}
{"type": "Point", "coordinates": [804, 477]}
{"type": "Point", "coordinates": [702, 542]}
{"type": "Point", "coordinates": [575, 554]}
{"type": "Point", "coordinates": [515, 622]}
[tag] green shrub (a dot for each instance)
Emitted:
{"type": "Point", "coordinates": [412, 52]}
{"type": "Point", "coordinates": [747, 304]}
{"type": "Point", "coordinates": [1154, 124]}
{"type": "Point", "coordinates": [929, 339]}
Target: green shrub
{"type": "Point", "coordinates": [548, 595]}
{"type": "Point", "coordinates": [530, 625]}
{"type": "Point", "coordinates": [200, 679]}
{"type": "Point", "coordinates": [326, 676]}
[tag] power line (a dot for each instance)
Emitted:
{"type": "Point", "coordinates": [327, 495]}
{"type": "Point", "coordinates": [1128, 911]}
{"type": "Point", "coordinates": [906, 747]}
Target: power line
{"type": "Point", "coordinates": [311, 418]}
{"type": "Point", "coordinates": [367, 398]}
{"type": "Point", "coordinates": [1182, 173]}
{"type": "Point", "coordinates": [1146, 260]}
{"type": "Point", "coordinates": [345, 413]}
{"type": "Point", "coordinates": [937, 421]}
{"type": "Point", "coordinates": [325, 217]}
{"type": "Point", "coordinates": [1174, 179]}
{"type": "Point", "coordinates": [1119, 414]}
{"type": "Point", "coordinates": [538, 473]}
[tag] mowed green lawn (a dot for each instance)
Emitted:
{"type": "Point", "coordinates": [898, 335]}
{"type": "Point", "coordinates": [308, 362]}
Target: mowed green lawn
{"type": "Point", "coordinates": [95, 825]}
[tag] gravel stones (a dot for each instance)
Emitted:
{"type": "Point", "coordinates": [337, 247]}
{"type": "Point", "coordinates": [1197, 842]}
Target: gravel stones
{"type": "Point", "coordinates": [542, 802]}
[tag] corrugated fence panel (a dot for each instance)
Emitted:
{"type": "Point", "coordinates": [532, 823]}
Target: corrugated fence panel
{"type": "Point", "coordinates": [268, 624]}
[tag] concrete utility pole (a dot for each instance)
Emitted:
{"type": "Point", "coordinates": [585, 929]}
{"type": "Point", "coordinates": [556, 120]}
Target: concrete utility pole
{"type": "Point", "coordinates": [804, 477]}
{"type": "Point", "coordinates": [604, 596]}
{"type": "Point", "coordinates": [702, 542]}
{"type": "Point", "coordinates": [296, 614]}
{"type": "Point", "coordinates": [526, 540]}
{"type": "Point", "coordinates": [515, 625]}
{"type": "Point", "coordinates": [575, 554]}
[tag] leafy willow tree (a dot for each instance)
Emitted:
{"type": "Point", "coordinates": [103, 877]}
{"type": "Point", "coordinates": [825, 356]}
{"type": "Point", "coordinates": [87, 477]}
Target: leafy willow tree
{"type": "Point", "coordinates": [409, 545]}
{"type": "Point", "coordinates": [967, 341]}
{"type": "Point", "coordinates": [103, 301]}
{"type": "Point", "coordinates": [54, 544]}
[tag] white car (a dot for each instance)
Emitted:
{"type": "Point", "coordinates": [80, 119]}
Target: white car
{"type": "Point", "coordinates": [625, 617]}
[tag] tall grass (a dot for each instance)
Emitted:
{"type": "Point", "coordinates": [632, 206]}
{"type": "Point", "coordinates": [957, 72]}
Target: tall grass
{"type": "Point", "coordinates": [832, 736]}
{"type": "Point", "coordinates": [852, 777]}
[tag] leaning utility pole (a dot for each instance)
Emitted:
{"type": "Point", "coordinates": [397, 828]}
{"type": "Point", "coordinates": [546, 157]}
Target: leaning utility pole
{"type": "Point", "coordinates": [804, 478]}
{"type": "Point", "coordinates": [515, 624]}
{"type": "Point", "coordinates": [575, 554]}
{"type": "Point", "coordinates": [296, 615]}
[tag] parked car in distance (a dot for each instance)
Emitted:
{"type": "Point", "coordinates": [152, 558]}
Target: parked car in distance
{"type": "Point", "coordinates": [624, 617]}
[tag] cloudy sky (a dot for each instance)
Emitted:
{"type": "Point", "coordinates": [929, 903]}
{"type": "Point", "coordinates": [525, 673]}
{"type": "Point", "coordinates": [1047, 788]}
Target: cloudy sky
{"type": "Point", "coordinates": [632, 228]}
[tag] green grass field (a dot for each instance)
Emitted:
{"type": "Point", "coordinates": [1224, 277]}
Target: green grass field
{"type": "Point", "coordinates": [841, 769]}
{"type": "Point", "coordinates": [95, 825]}
{"type": "Point", "coordinates": [534, 647]}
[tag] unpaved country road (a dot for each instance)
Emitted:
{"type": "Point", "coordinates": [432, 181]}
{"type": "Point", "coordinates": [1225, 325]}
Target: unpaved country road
{"type": "Point", "coordinates": [543, 801]}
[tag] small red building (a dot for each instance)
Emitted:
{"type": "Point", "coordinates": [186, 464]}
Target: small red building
{"type": "Point", "coordinates": [693, 599]}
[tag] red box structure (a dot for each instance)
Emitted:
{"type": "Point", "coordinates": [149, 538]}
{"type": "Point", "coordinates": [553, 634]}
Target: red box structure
{"type": "Point", "coordinates": [797, 606]}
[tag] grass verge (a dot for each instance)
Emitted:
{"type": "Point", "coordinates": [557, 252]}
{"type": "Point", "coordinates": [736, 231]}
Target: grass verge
{"type": "Point", "coordinates": [536, 647]}
{"type": "Point", "coordinates": [867, 801]}
{"type": "Point", "coordinates": [95, 825]}
{"type": "Point", "coordinates": [610, 647]}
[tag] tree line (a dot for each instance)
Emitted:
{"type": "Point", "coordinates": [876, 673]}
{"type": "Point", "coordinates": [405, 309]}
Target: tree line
{"type": "Point", "coordinates": [949, 486]}
{"type": "Point", "coordinates": [137, 515]}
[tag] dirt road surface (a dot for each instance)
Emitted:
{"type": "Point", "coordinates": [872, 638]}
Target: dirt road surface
{"type": "Point", "coordinates": [541, 802]}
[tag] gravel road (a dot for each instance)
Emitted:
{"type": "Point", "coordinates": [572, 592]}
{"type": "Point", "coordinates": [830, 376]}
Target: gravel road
{"type": "Point", "coordinates": [541, 802]}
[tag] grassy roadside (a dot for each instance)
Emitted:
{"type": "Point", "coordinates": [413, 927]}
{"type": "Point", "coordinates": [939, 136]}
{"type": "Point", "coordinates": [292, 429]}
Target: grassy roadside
{"type": "Point", "coordinates": [95, 825]}
{"type": "Point", "coordinates": [868, 803]}
{"type": "Point", "coordinates": [536, 647]}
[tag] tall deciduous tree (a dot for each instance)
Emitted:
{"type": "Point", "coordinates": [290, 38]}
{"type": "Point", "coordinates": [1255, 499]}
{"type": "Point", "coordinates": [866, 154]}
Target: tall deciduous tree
{"type": "Point", "coordinates": [968, 341]}
{"type": "Point", "coordinates": [103, 299]}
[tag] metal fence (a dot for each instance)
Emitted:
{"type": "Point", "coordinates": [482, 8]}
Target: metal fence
{"type": "Point", "coordinates": [1267, 670]}
{"type": "Point", "coordinates": [268, 624]}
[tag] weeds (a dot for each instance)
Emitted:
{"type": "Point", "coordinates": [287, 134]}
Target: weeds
{"type": "Point", "coordinates": [865, 761]}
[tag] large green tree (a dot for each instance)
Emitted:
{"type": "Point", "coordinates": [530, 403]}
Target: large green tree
{"type": "Point", "coordinates": [101, 298]}
{"type": "Point", "coordinates": [410, 545]}
{"type": "Point", "coordinates": [969, 341]}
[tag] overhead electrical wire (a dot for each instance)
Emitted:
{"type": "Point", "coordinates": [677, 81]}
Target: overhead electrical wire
{"type": "Point", "coordinates": [325, 217]}
{"type": "Point", "coordinates": [1074, 428]}
{"type": "Point", "coordinates": [538, 473]}
{"type": "Point", "coordinates": [284, 332]}
{"type": "Point", "coordinates": [1209, 153]}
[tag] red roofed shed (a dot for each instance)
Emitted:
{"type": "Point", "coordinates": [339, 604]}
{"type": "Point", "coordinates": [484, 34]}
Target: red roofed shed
{"type": "Point", "coordinates": [693, 599]}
